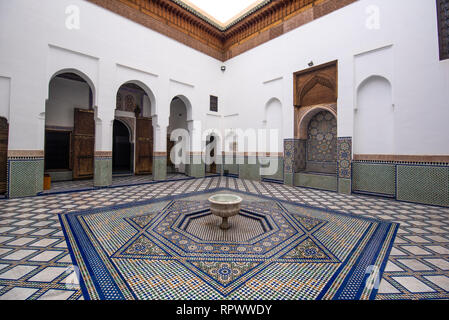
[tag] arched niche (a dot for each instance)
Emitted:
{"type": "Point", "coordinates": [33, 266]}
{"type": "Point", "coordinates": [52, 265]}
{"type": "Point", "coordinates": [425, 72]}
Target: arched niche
{"type": "Point", "coordinates": [274, 121]}
{"type": "Point", "coordinates": [321, 147]}
{"type": "Point", "coordinates": [374, 117]}
{"type": "Point", "coordinates": [146, 101]}
{"type": "Point", "coordinates": [308, 114]}
{"type": "Point", "coordinates": [188, 105]}
{"type": "Point", "coordinates": [79, 74]}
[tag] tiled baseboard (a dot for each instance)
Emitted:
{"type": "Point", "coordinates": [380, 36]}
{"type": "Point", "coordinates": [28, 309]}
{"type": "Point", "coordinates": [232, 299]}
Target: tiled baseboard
{"type": "Point", "coordinates": [418, 183]}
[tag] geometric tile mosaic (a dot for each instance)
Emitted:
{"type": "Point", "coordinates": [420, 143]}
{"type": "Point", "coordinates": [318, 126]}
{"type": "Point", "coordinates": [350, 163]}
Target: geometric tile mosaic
{"type": "Point", "coordinates": [26, 176]}
{"type": "Point", "coordinates": [417, 222]}
{"type": "Point", "coordinates": [374, 178]}
{"type": "Point", "coordinates": [344, 157]}
{"type": "Point", "coordinates": [130, 247]}
{"type": "Point", "coordinates": [423, 184]}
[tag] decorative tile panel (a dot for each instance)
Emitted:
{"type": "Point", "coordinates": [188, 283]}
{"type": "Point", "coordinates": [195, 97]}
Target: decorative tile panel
{"type": "Point", "coordinates": [289, 155]}
{"type": "Point", "coordinates": [300, 155]}
{"type": "Point", "coordinates": [103, 171]}
{"type": "Point", "coordinates": [294, 155]}
{"type": "Point", "coordinates": [344, 154]}
{"type": "Point", "coordinates": [25, 173]}
{"type": "Point", "coordinates": [423, 184]}
{"type": "Point", "coordinates": [322, 138]}
{"type": "Point", "coordinates": [374, 178]}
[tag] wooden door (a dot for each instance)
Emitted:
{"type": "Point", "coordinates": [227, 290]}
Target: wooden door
{"type": "Point", "coordinates": [170, 145]}
{"type": "Point", "coordinates": [213, 165]}
{"type": "Point", "coordinates": [144, 146]}
{"type": "Point", "coordinates": [83, 144]}
{"type": "Point", "coordinates": [4, 129]}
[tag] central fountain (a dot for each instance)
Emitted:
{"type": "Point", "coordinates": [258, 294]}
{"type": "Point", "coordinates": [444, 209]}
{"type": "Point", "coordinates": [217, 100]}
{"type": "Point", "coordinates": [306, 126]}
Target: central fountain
{"type": "Point", "coordinates": [225, 206]}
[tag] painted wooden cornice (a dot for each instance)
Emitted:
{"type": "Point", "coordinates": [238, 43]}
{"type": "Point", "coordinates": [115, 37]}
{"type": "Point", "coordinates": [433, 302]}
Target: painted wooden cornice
{"type": "Point", "coordinates": [265, 21]}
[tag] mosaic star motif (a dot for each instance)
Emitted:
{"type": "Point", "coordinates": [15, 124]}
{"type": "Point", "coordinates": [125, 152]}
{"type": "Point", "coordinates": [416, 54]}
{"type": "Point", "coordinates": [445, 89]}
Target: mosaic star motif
{"type": "Point", "coordinates": [225, 272]}
{"type": "Point", "coordinates": [143, 246]}
{"type": "Point", "coordinates": [307, 250]}
{"type": "Point", "coordinates": [143, 221]}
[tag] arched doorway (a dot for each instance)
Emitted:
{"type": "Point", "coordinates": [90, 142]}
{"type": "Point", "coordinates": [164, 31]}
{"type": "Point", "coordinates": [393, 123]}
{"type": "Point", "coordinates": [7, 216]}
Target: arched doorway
{"type": "Point", "coordinates": [69, 128]}
{"type": "Point", "coordinates": [121, 149]}
{"type": "Point", "coordinates": [177, 120]}
{"type": "Point", "coordinates": [133, 112]}
{"type": "Point", "coordinates": [230, 166]}
{"type": "Point", "coordinates": [4, 133]}
{"type": "Point", "coordinates": [212, 145]}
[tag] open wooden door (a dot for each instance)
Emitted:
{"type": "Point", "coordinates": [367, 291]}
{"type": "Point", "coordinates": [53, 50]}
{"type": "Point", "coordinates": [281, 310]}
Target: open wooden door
{"type": "Point", "coordinates": [4, 130]}
{"type": "Point", "coordinates": [144, 146]}
{"type": "Point", "coordinates": [170, 146]}
{"type": "Point", "coordinates": [213, 165]}
{"type": "Point", "coordinates": [83, 144]}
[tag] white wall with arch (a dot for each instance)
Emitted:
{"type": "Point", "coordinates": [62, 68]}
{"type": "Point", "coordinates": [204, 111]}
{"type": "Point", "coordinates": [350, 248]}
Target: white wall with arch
{"type": "Point", "coordinates": [36, 45]}
{"type": "Point", "coordinates": [419, 80]}
{"type": "Point", "coordinates": [178, 115]}
{"type": "Point", "coordinates": [274, 122]}
{"type": "Point", "coordinates": [374, 118]}
{"type": "Point", "coordinates": [34, 50]}
{"type": "Point", "coordinates": [64, 96]}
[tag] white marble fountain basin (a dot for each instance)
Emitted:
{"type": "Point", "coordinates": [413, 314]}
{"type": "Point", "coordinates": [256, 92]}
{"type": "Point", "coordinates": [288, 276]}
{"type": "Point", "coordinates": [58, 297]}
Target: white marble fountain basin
{"type": "Point", "coordinates": [225, 206]}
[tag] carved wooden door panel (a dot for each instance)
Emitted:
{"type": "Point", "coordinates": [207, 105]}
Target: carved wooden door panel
{"type": "Point", "coordinates": [4, 129]}
{"type": "Point", "coordinates": [83, 144]}
{"type": "Point", "coordinates": [144, 146]}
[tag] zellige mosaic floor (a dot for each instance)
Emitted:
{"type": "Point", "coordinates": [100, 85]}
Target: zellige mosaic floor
{"type": "Point", "coordinates": [35, 264]}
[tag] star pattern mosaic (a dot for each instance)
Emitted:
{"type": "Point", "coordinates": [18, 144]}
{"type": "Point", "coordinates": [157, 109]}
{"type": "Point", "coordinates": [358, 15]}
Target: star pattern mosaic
{"type": "Point", "coordinates": [266, 234]}
{"type": "Point", "coordinates": [34, 260]}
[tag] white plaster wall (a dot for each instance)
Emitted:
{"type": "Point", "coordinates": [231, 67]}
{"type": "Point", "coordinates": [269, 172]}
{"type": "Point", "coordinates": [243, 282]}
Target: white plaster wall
{"type": "Point", "coordinates": [178, 116]}
{"type": "Point", "coordinates": [274, 124]}
{"type": "Point", "coordinates": [5, 89]}
{"type": "Point", "coordinates": [374, 118]}
{"type": "Point", "coordinates": [108, 51]}
{"type": "Point", "coordinates": [410, 60]}
{"type": "Point", "coordinates": [65, 95]}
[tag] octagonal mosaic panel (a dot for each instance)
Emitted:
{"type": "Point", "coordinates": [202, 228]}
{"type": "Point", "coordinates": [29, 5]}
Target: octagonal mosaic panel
{"type": "Point", "coordinates": [174, 249]}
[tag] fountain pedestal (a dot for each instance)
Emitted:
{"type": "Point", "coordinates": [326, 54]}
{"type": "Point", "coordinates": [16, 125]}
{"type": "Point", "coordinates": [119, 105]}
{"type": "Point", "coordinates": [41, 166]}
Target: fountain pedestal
{"type": "Point", "coordinates": [225, 206]}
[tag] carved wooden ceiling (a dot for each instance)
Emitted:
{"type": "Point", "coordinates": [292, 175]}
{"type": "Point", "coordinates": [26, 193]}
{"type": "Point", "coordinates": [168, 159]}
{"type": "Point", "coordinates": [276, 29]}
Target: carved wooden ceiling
{"type": "Point", "coordinates": [265, 21]}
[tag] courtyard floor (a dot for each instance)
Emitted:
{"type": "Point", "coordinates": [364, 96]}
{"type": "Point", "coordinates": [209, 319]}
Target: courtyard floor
{"type": "Point", "coordinates": [35, 262]}
{"type": "Point", "coordinates": [117, 181]}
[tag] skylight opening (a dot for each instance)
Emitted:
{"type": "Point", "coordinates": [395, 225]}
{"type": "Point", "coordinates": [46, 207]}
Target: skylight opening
{"type": "Point", "coordinates": [223, 11]}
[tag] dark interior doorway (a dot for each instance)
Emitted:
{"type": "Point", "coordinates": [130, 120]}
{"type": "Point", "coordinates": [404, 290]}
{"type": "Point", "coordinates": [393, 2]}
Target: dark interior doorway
{"type": "Point", "coordinates": [4, 131]}
{"type": "Point", "coordinates": [57, 150]}
{"type": "Point", "coordinates": [212, 168]}
{"type": "Point", "coordinates": [121, 149]}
